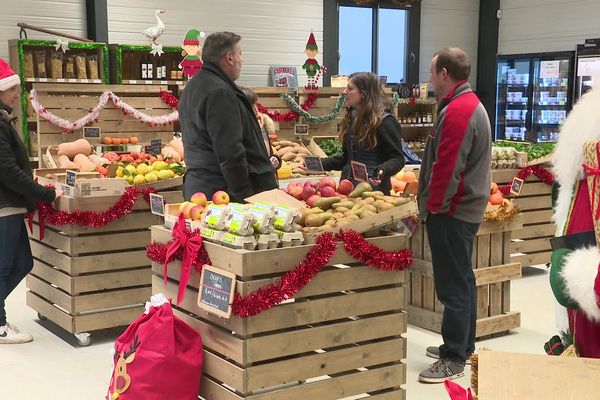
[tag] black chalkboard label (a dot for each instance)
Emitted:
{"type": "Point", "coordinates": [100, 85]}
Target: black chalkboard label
{"type": "Point", "coordinates": [157, 204]}
{"type": "Point", "coordinates": [216, 291]}
{"type": "Point", "coordinates": [71, 178]}
{"type": "Point", "coordinates": [313, 164]}
{"type": "Point", "coordinates": [516, 186]}
{"type": "Point", "coordinates": [359, 171]}
{"type": "Point", "coordinates": [301, 129]}
{"type": "Point", "coordinates": [91, 132]}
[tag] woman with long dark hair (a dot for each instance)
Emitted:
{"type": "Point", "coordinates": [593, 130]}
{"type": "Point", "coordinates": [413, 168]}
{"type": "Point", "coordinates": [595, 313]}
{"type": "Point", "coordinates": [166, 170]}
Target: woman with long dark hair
{"type": "Point", "coordinates": [18, 194]}
{"type": "Point", "coordinates": [370, 134]}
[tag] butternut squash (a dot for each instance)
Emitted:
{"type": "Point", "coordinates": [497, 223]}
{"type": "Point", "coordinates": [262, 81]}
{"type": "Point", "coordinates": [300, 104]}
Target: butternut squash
{"type": "Point", "coordinates": [169, 152]}
{"type": "Point", "coordinates": [99, 161]}
{"type": "Point", "coordinates": [84, 163]}
{"type": "Point", "coordinates": [71, 149]}
{"type": "Point", "coordinates": [64, 162]}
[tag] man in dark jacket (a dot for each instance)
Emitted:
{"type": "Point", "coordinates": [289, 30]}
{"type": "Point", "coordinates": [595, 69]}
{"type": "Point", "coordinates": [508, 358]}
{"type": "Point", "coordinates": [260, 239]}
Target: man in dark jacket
{"type": "Point", "coordinates": [223, 144]}
{"type": "Point", "coordinates": [454, 188]}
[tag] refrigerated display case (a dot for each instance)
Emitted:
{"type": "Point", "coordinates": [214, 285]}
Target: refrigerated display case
{"type": "Point", "coordinates": [587, 66]}
{"type": "Point", "coordinates": [533, 95]}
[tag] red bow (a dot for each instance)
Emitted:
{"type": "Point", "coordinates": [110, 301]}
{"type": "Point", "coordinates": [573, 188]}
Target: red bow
{"type": "Point", "coordinates": [191, 245]}
{"type": "Point", "coordinates": [595, 172]}
{"type": "Point", "coordinates": [457, 392]}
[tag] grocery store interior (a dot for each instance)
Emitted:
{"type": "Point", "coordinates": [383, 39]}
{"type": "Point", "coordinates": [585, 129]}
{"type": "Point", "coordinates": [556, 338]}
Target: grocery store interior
{"type": "Point", "coordinates": [334, 305]}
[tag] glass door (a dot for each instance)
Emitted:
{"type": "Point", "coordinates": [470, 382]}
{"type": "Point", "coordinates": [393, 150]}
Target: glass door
{"type": "Point", "coordinates": [512, 98]}
{"type": "Point", "coordinates": [551, 100]}
{"type": "Point", "coordinates": [587, 67]}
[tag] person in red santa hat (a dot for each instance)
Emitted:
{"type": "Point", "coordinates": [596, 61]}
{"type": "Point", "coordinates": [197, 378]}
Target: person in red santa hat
{"type": "Point", "coordinates": [18, 194]}
{"type": "Point", "coordinates": [574, 273]}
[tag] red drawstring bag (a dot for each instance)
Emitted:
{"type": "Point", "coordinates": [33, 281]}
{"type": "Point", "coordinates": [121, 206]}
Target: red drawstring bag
{"type": "Point", "coordinates": [157, 357]}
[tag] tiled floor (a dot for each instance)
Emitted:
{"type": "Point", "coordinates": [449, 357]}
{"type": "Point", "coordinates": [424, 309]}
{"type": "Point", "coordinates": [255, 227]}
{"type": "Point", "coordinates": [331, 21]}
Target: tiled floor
{"type": "Point", "coordinates": [54, 367]}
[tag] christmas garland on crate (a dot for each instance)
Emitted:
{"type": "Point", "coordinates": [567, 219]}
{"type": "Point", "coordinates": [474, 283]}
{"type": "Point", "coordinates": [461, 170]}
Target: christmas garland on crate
{"type": "Point", "coordinates": [540, 172]}
{"type": "Point", "coordinates": [335, 112]}
{"type": "Point", "coordinates": [291, 115]}
{"type": "Point", "coordinates": [288, 285]}
{"type": "Point", "coordinates": [94, 113]}
{"type": "Point", "coordinates": [48, 214]}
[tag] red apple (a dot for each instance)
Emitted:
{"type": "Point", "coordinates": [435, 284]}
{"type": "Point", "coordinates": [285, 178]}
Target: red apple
{"type": "Point", "coordinates": [196, 212]}
{"type": "Point", "coordinates": [345, 187]}
{"type": "Point", "coordinates": [308, 191]}
{"type": "Point", "coordinates": [199, 199]}
{"type": "Point", "coordinates": [135, 155]}
{"type": "Point", "coordinates": [187, 210]}
{"type": "Point", "coordinates": [312, 184]}
{"type": "Point", "coordinates": [296, 192]}
{"type": "Point", "coordinates": [327, 191]}
{"type": "Point", "coordinates": [327, 181]}
{"type": "Point", "coordinates": [220, 197]}
{"type": "Point", "coordinates": [311, 200]}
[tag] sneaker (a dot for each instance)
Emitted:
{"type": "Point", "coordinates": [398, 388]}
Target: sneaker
{"type": "Point", "coordinates": [11, 335]}
{"type": "Point", "coordinates": [434, 352]}
{"type": "Point", "coordinates": [441, 370]}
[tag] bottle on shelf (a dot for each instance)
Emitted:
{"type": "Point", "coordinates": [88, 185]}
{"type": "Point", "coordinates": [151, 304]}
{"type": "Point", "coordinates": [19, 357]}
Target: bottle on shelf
{"type": "Point", "coordinates": [143, 68]}
{"type": "Point", "coordinates": [150, 68]}
{"type": "Point", "coordinates": [164, 70]}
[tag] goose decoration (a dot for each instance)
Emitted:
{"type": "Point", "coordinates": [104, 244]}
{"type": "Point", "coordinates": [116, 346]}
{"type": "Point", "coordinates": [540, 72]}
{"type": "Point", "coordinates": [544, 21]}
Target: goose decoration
{"type": "Point", "coordinates": [155, 32]}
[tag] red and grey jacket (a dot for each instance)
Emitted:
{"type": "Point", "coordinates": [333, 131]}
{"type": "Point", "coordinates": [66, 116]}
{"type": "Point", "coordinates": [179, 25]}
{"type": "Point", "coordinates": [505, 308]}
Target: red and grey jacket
{"type": "Point", "coordinates": [455, 173]}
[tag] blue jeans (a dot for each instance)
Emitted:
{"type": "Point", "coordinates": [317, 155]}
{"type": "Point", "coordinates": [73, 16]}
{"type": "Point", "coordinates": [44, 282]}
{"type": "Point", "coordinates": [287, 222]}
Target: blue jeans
{"type": "Point", "coordinates": [451, 243]}
{"type": "Point", "coordinates": [15, 257]}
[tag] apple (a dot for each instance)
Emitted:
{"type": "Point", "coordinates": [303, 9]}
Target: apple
{"type": "Point", "coordinates": [182, 206]}
{"type": "Point", "coordinates": [220, 197]}
{"type": "Point", "coordinates": [327, 191]}
{"type": "Point", "coordinates": [187, 210]}
{"type": "Point", "coordinates": [135, 155]}
{"type": "Point", "coordinates": [345, 187]}
{"type": "Point", "coordinates": [308, 191]}
{"type": "Point", "coordinates": [312, 184]}
{"type": "Point", "coordinates": [199, 198]}
{"type": "Point", "coordinates": [296, 192]}
{"type": "Point", "coordinates": [327, 182]}
{"type": "Point", "coordinates": [196, 212]}
{"type": "Point", "coordinates": [311, 200]}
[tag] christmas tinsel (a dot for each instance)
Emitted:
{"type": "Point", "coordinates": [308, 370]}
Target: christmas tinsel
{"type": "Point", "coordinates": [335, 112]}
{"type": "Point", "coordinates": [540, 172]}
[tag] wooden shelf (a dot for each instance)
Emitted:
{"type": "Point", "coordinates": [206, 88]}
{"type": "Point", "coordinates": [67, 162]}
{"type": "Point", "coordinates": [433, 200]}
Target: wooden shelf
{"type": "Point", "coordinates": [62, 80]}
{"type": "Point", "coordinates": [151, 82]}
{"type": "Point", "coordinates": [417, 125]}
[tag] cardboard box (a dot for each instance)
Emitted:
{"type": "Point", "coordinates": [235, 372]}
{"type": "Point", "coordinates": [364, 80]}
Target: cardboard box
{"type": "Point", "coordinates": [88, 184]}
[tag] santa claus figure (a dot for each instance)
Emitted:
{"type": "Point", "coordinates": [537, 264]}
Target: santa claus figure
{"type": "Point", "coordinates": [574, 275]}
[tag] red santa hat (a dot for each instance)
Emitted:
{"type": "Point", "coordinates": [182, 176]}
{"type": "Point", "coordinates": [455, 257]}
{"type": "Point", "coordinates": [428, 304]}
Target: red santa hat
{"type": "Point", "coordinates": [312, 43]}
{"type": "Point", "coordinates": [8, 77]}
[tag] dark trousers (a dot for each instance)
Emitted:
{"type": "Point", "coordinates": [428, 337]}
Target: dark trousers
{"type": "Point", "coordinates": [451, 243]}
{"type": "Point", "coordinates": [15, 257]}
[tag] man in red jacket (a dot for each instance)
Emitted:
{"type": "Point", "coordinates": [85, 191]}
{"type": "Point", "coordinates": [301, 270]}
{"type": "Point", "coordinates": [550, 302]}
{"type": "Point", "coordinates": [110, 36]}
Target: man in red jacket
{"type": "Point", "coordinates": [454, 188]}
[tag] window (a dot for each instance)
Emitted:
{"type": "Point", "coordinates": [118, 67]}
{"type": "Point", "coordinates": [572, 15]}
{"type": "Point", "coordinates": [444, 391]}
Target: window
{"type": "Point", "coordinates": [373, 39]}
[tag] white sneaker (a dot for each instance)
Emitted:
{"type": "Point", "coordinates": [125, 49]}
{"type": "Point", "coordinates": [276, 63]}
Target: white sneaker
{"type": "Point", "coordinates": [11, 335]}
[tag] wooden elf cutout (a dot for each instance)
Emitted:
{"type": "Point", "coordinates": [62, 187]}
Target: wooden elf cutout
{"type": "Point", "coordinates": [192, 63]}
{"type": "Point", "coordinates": [311, 65]}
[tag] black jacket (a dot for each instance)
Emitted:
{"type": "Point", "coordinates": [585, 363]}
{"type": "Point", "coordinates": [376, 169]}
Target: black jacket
{"type": "Point", "coordinates": [224, 149]}
{"type": "Point", "coordinates": [387, 154]}
{"type": "Point", "coordinates": [17, 187]}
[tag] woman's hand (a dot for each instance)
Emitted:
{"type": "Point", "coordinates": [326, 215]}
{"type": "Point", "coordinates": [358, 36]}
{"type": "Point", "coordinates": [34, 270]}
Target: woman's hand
{"type": "Point", "coordinates": [377, 181]}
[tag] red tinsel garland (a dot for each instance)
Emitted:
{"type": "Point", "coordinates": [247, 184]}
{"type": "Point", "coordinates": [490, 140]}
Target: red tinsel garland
{"type": "Point", "coordinates": [302, 273]}
{"type": "Point", "coordinates": [540, 172]}
{"type": "Point", "coordinates": [371, 255]}
{"type": "Point", "coordinates": [47, 212]}
{"type": "Point", "coordinates": [169, 99]}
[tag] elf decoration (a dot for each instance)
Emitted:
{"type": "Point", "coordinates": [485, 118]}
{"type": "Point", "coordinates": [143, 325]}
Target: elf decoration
{"type": "Point", "coordinates": [311, 65]}
{"type": "Point", "coordinates": [192, 52]}
{"type": "Point", "coordinates": [574, 276]}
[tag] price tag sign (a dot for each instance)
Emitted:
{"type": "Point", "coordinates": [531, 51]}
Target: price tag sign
{"type": "Point", "coordinates": [91, 132]}
{"type": "Point", "coordinates": [516, 186]}
{"type": "Point", "coordinates": [155, 147]}
{"type": "Point", "coordinates": [301, 129]}
{"type": "Point", "coordinates": [409, 225]}
{"type": "Point", "coordinates": [71, 178]}
{"type": "Point", "coordinates": [216, 291]}
{"type": "Point", "coordinates": [359, 171]}
{"type": "Point", "coordinates": [313, 164]}
{"type": "Point", "coordinates": [157, 204]}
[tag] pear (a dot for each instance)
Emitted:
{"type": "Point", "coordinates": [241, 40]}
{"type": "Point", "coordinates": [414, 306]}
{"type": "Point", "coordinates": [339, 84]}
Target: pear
{"type": "Point", "coordinates": [360, 189]}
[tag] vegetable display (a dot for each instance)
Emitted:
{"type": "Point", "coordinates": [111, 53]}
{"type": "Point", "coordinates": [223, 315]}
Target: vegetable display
{"type": "Point", "coordinates": [534, 151]}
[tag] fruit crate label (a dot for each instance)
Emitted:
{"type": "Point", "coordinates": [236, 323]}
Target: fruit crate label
{"type": "Point", "coordinates": [216, 291]}
{"type": "Point", "coordinates": [71, 178]}
{"type": "Point", "coordinates": [208, 233]}
{"type": "Point", "coordinates": [516, 186]}
{"type": "Point", "coordinates": [157, 204]}
{"type": "Point", "coordinates": [359, 171]}
{"type": "Point", "coordinates": [91, 132]}
{"type": "Point", "coordinates": [301, 129]}
{"type": "Point", "coordinates": [313, 164]}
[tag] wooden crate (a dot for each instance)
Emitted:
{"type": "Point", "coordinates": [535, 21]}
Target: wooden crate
{"type": "Point", "coordinates": [270, 97]}
{"type": "Point", "coordinates": [74, 101]}
{"type": "Point", "coordinates": [85, 279]}
{"type": "Point", "coordinates": [493, 268]}
{"type": "Point", "coordinates": [340, 336]}
{"type": "Point", "coordinates": [531, 244]}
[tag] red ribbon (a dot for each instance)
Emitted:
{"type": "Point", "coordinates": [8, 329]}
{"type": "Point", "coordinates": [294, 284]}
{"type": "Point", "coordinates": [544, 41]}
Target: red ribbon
{"type": "Point", "coordinates": [595, 172]}
{"type": "Point", "coordinates": [191, 244]}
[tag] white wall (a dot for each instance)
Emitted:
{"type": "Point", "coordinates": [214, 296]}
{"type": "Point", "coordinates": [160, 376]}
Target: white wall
{"type": "Point", "coordinates": [67, 16]}
{"type": "Point", "coordinates": [274, 32]}
{"type": "Point", "coordinates": [530, 26]}
{"type": "Point", "coordinates": [446, 23]}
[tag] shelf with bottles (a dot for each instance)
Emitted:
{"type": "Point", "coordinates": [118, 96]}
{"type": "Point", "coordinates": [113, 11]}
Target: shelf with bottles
{"type": "Point", "coordinates": [134, 64]}
{"type": "Point", "coordinates": [45, 61]}
{"type": "Point", "coordinates": [416, 120]}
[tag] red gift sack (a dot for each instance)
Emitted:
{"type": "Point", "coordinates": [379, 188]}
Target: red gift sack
{"type": "Point", "coordinates": [158, 357]}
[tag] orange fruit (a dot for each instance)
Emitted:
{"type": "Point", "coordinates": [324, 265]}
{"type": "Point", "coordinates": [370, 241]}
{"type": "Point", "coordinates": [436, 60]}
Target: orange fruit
{"type": "Point", "coordinates": [133, 140]}
{"type": "Point", "coordinates": [124, 140]}
{"type": "Point", "coordinates": [494, 188]}
{"type": "Point", "coordinates": [116, 141]}
{"type": "Point", "coordinates": [496, 199]}
{"type": "Point", "coordinates": [107, 140]}
{"type": "Point", "coordinates": [409, 177]}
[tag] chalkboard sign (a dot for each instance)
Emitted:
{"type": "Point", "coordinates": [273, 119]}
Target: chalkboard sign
{"type": "Point", "coordinates": [216, 291]}
{"type": "Point", "coordinates": [516, 186]}
{"type": "Point", "coordinates": [154, 148]}
{"type": "Point", "coordinates": [71, 178]}
{"type": "Point", "coordinates": [301, 129]}
{"type": "Point", "coordinates": [157, 204]}
{"type": "Point", "coordinates": [91, 132]}
{"type": "Point", "coordinates": [313, 164]}
{"type": "Point", "coordinates": [359, 171]}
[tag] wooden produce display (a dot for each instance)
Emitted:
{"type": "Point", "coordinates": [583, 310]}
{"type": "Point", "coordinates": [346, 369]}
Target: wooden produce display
{"type": "Point", "coordinates": [531, 244]}
{"type": "Point", "coordinates": [127, 65]}
{"type": "Point", "coordinates": [73, 102]}
{"type": "Point", "coordinates": [270, 97]}
{"type": "Point", "coordinates": [86, 279]}
{"type": "Point", "coordinates": [494, 269]}
{"type": "Point", "coordinates": [340, 336]}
